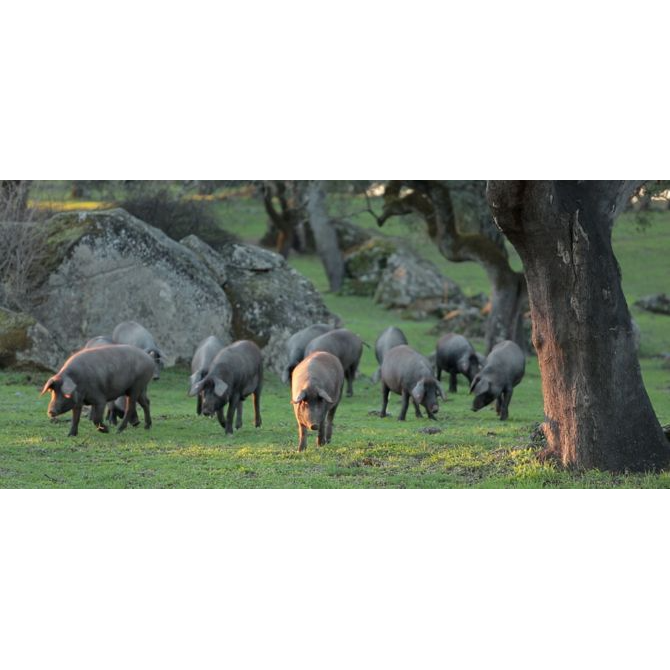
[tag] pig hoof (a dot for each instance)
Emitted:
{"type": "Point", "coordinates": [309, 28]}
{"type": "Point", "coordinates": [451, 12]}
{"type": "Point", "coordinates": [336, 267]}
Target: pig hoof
{"type": "Point", "coordinates": [103, 429]}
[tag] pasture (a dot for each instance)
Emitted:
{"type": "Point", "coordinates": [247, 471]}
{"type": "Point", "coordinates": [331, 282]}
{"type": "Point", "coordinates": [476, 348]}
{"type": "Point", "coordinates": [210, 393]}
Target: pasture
{"type": "Point", "coordinates": [470, 449]}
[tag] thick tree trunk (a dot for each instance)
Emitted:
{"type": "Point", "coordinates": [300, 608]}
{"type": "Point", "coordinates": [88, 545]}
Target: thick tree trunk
{"type": "Point", "coordinates": [597, 411]}
{"type": "Point", "coordinates": [325, 237]}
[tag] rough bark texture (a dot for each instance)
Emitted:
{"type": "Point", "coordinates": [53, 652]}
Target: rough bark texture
{"type": "Point", "coordinates": [597, 411]}
{"type": "Point", "coordinates": [325, 236]}
{"type": "Point", "coordinates": [469, 235]}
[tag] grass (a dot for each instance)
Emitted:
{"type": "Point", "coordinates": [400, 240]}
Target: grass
{"type": "Point", "coordinates": [472, 450]}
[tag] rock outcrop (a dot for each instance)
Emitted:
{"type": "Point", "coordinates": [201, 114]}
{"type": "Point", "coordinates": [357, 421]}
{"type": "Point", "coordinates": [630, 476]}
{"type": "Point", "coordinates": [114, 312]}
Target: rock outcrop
{"type": "Point", "coordinates": [270, 300]}
{"type": "Point", "coordinates": [26, 343]}
{"type": "Point", "coordinates": [104, 267]}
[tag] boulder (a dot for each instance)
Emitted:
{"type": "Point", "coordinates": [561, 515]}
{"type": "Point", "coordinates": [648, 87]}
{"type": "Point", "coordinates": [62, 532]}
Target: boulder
{"type": "Point", "coordinates": [270, 300]}
{"type": "Point", "coordinates": [365, 264]}
{"type": "Point", "coordinates": [659, 303]}
{"type": "Point", "coordinates": [416, 285]}
{"type": "Point", "coordinates": [104, 267]}
{"type": "Point", "coordinates": [27, 344]}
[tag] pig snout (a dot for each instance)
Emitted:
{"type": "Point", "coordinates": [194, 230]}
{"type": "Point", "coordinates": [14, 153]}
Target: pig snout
{"type": "Point", "coordinates": [314, 426]}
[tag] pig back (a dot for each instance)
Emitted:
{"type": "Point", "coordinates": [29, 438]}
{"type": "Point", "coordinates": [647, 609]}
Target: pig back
{"type": "Point", "coordinates": [403, 367]}
{"type": "Point", "coordinates": [506, 361]}
{"type": "Point", "coordinates": [205, 353]}
{"type": "Point", "coordinates": [391, 337]}
{"type": "Point", "coordinates": [320, 369]}
{"type": "Point", "coordinates": [109, 370]}
{"type": "Point", "coordinates": [239, 365]}
{"type": "Point", "coordinates": [342, 343]}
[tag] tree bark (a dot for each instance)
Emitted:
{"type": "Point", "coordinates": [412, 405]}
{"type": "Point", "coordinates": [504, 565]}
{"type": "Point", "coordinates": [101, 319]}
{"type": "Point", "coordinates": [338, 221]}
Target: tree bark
{"type": "Point", "coordinates": [325, 237]}
{"type": "Point", "coordinates": [597, 411]}
{"type": "Point", "coordinates": [481, 242]}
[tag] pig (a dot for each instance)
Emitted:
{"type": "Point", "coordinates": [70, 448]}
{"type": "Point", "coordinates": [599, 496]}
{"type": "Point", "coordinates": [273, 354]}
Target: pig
{"type": "Point", "coordinates": [202, 358]}
{"type": "Point", "coordinates": [97, 376]}
{"type": "Point", "coordinates": [390, 338]}
{"type": "Point", "coordinates": [234, 373]}
{"type": "Point", "coordinates": [130, 332]}
{"type": "Point", "coordinates": [346, 346]}
{"type": "Point", "coordinates": [408, 373]}
{"type": "Point", "coordinates": [295, 346]}
{"type": "Point", "coordinates": [503, 370]}
{"type": "Point", "coordinates": [115, 408]}
{"type": "Point", "coordinates": [97, 341]}
{"type": "Point", "coordinates": [455, 355]}
{"type": "Point", "coordinates": [316, 390]}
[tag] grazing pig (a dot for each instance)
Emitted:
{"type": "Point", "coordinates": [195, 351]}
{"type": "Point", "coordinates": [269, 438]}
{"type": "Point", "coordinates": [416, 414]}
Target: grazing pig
{"type": "Point", "coordinates": [202, 358]}
{"type": "Point", "coordinates": [97, 376]}
{"type": "Point", "coordinates": [295, 346]}
{"type": "Point", "coordinates": [234, 373]}
{"type": "Point", "coordinates": [130, 332]}
{"type": "Point", "coordinates": [408, 373]}
{"type": "Point", "coordinates": [502, 371]}
{"type": "Point", "coordinates": [316, 389]}
{"type": "Point", "coordinates": [390, 338]}
{"type": "Point", "coordinates": [98, 341]}
{"type": "Point", "coordinates": [346, 346]}
{"type": "Point", "coordinates": [454, 354]}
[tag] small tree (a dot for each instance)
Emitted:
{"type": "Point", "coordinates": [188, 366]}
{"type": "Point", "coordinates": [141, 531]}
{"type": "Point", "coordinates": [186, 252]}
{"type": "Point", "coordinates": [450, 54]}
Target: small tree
{"type": "Point", "coordinates": [459, 222]}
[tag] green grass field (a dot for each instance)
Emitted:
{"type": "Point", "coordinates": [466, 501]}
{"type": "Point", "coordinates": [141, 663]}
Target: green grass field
{"type": "Point", "coordinates": [471, 450]}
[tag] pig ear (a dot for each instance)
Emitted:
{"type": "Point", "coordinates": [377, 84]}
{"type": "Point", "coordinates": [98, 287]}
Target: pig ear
{"type": "Point", "coordinates": [196, 384]}
{"type": "Point", "coordinates": [68, 386]}
{"type": "Point", "coordinates": [48, 386]}
{"type": "Point", "coordinates": [324, 395]}
{"type": "Point", "coordinates": [474, 382]}
{"type": "Point", "coordinates": [219, 387]}
{"type": "Point", "coordinates": [440, 392]}
{"type": "Point", "coordinates": [299, 398]}
{"type": "Point", "coordinates": [284, 376]}
{"type": "Point", "coordinates": [419, 391]}
{"type": "Point", "coordinates": [482, 386]}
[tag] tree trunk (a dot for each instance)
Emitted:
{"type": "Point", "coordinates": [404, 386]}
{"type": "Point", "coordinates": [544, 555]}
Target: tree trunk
{"type": "Point", "coordinates": [509, 300]}
{"type": "Point", "coordinates": [325, 236]}
{"type": "Point", "coordinates": [597, 411]}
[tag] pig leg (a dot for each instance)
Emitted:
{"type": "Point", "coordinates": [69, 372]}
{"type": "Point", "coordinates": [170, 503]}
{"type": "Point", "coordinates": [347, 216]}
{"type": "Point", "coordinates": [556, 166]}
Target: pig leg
{"type": "Point", "coordinates": [143, 400]}
{"type": "Point", "coordinates": [198, 405]}
{"type": "Point", "coordinates": [97, 413]}
{"type": "Point", "coordinates": [257, 407]}
{"type": "Point", "coordinates": [321, 437]}
{"type": "Point", "coordinates": [405, 405]}
{"type": "Point", "coordinates": [130, 408]}
{"type": "Point", "coordinates": [385, 400]}
{"type": "Point", "coordinates": [417, 410]}
{"type": "Point", "coordinates": [329, 423]}
{"type": "Point", "coordinates": [238, 422]}
{"type": "Point", "coordinates": [302, 433]}
{"type": "Point", "coordinates": [439, 373]}
{"type": "Point", "coordinates": [507, 397]}
{"type": "Point", "coordinates": [350, 374]}
{"type": "Point", "coordinates": [111, 413]}
{"type": "Point", "coordinates": [232, 406]}
{"type": "Point", "coordinates": [499, 403]}
{"type": "Point", "coordinates": [219, 416]}
{"type": "Point", "coordinates": [76, 415]}
{"type": "Point", "coordinates": [453, 382]}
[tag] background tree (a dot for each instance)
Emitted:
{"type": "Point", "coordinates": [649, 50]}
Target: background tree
{"type": "Point", "coordinates": [325, 236]}
{"type": "Point", "coordinates": [459, 222]}
{"type": "Point", "coordinates": [597, 411]}
{"type": "Point", "coordinates": [284, 203]}
{"type": "Point", "coordinates": [14, 199]}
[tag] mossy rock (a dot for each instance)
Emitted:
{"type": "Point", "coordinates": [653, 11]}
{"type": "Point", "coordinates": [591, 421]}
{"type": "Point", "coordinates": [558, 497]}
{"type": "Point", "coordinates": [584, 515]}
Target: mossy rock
{"type": "Point", "coordinates": [365, 264]}
{"type": "Point", "coordinates": [27, 344]}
